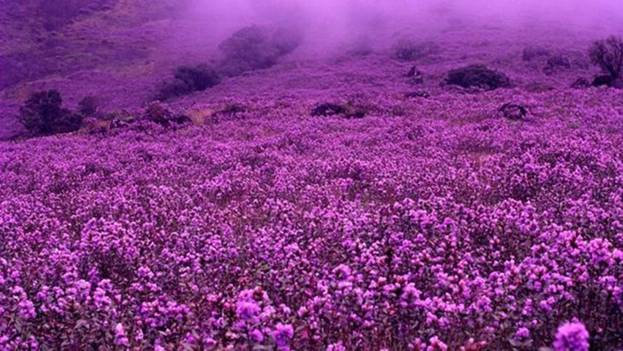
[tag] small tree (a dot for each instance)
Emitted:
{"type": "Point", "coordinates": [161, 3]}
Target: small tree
{"type": "Point", "coordinates": [188, 79]}
{"type": "Point", "coordinates": [608, 55]}
{"type": "Point", "coordinates": [42, 114]}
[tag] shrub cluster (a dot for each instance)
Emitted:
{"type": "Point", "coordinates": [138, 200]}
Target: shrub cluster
{"type": "Point", "coordinates": [161, 114]}
{"type": "Point", "coordinates": [250, 48]}
{"type": "Point", "coordinates": [533, 52]}
{"type": "Point", "coordinates": [43, 114]}
{"type": "Point", "coordinates": [256, 47]}
{"type": "Point", "coordinates": [608, 55]}
{"type": "Point", "coordinates": [513, 112]}
{"type": "Point", "coordinates": [188, 79]}
{"type": "Point", "coordinates": [415, 76]}
{"type": "Point", "coordinates": [555, 63]}
{"type": "Point", "coordinates": [409, 50]}
{"type": "Point", "coordinates": [88, 106]}
{"type": "Point", "coordinates": [347, 110]}
{"type": "Point", "coordinates": [477, 76]}
{"type": "Point", "coordinates": [417, 94]}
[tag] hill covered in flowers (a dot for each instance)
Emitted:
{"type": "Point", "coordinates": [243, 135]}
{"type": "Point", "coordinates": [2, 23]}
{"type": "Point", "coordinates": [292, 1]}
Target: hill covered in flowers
{"type": "Point", "coordinates": [432, 227]}
{"type": "Point", "coordinates": [350, 203]}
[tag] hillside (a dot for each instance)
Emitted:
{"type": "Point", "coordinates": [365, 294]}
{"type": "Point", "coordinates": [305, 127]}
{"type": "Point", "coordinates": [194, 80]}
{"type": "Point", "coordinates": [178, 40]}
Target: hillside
{"type": "Point", "coordinates": [62, 37]}
{"type": "Point", "coordinates": [352, 201]}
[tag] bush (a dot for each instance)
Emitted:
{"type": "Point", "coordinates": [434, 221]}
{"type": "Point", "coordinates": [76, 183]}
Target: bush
{"type": "Point", "coordinates": [188, 79]}
{"type": "Point", "coordinates": [198, 78]}
{"type": "Point", "coordinates": [581, 83]}
{"type": "Point", "coordinates": [408, 50]}
{"type": "Point", "coordinates": [42, 114]}
{"type": "Point", "coordinates": [555, 63]}
{"type": "Point", "coordinates": [415, 76]}
{"type": "Point", "coordinates": [231, 109]}
{"type": "Point", "coordinates": [161, 114]}
{"type": "Point", "coordinates": [608, 55]}
{"type": "Point", "coordinates": [328, 109]}
{"type": "Point", "coordinates": [88, 106]}
{"type": "Point", "coordinates": [477, 76]}
{"type": "Point", "coordinates": [531, 53]}
{"type": "Point", "coordinates": [513, 112]}
{"type": "Point", "coordinates": [417, 94]}
{"type": "Point", "coordinates": [348, 110]}
{"type": "Point", "coordinates": [602, 81]}
{"type": "Point", "coordinates": [256, 47]}
{"type": "Point", "coordinates": [173, 89]}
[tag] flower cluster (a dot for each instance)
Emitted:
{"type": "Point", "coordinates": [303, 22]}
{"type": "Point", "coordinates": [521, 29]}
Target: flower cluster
{"type": "Point", "coordinates": [444, 228]}
{"type": "Point", "coordinates": [571, 337]}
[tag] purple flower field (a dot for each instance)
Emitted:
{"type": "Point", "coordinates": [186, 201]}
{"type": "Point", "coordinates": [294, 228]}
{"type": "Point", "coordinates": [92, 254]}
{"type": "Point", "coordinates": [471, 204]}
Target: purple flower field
{"type": "Point", "coordinates": [430, 222]}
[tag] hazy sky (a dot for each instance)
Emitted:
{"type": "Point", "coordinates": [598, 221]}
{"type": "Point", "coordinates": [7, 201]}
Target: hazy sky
{"type": "Point", "coordinates": [336, 21]}
{"type": "Point", "coordinates": [334, 11]}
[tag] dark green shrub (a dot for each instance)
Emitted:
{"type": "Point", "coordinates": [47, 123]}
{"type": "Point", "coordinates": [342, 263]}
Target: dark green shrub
{"type": "Point", "coordinates": [88, 106]}
{"type": "Point", "coordinates": [408, 50]}
{"type": "Point", "coordinates": [555, 63]}
{"type": "Point", "coordinates": [256, 47]}
{"type": "Point", "coordinates": [42, 114]}
{"type": "Point", "coordinates": [418, 94]}
{"type": "Point", "coordinates": [581, 83]}
{"type": "Point", "coordinates": [232, 109]}
{"type": "Point", "coordinates": [513, 112]}
{"type": "Point", "coordinates": [533, 52]}
{"type": "Point", "coordinates": [608, 55]}
{"type": "Point", "coordinates": [477, 76]}
{"type": "Point", "coordinates": [328, 109]}
{"type": "Point", "coordinates": [188, 79]}
{"type": "Point", "coordinates": [348, 110]}
{"type": "Point", "coordinates": [198, 78]}
{"type": "Point", "coordinates": [160, 113]}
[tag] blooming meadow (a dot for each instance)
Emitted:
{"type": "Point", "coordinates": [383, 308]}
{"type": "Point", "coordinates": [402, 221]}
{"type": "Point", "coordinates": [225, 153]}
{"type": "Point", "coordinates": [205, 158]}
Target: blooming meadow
{"type": "Point", "coordinates": [430, 224]}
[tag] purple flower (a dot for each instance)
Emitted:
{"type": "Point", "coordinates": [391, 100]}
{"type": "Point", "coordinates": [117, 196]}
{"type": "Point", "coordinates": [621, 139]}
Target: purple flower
{"type": "Point", "coordinates": [247, 310]}
{"type": "Point", "coordinates": [571, 336]}
{"type": "Point", "coordinates": [120, 337]}
{"type": "Point", "coordinates": [522, 333]}
{"type": "Point", "coordinates": [26, 309]}
{"type": "Point", "coordinates": [342, 272]}
{"type": "Point", "coordinates": [336, 347]}
{"type": "Point", "coordinates": [282, 335]}
{"type": "Point", "coordinates": [256, 335]}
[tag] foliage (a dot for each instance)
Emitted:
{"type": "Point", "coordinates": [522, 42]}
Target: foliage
{"type": "Point", "coordinates": [43, 114]}
{"type": "Point", "coordinates": [256, 47]}
{"type": "Point", "coordinates": [160, 113]}
{"type": "Point", "coordinates": [88, 106]}
{"type": "Point", "coordinates": [608, 55]}
{"type": "Point", "coordinates": [513, 112]}
{"type": "Point", "coordinates": [533, 52]}
{"type": "Point", "coordinates": [409, 50]}
{"type": "Point", "coordinates": [477, 76]}
{"type": "Point", "coordinates": [328, 109]}
{"type": "Point", "coordinates": [347, 110]}
{"type": "Point", "coordinates": [188, 79]}
{"type": "Point", "coordinates": [197, 78]}
{"type": "Point", "coordinates": [556, 62]}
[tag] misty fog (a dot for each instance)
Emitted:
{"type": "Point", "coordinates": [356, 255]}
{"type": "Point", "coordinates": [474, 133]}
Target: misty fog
{"type": "Point", "coordinates": [327, 23]}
